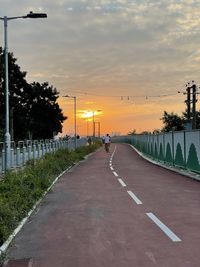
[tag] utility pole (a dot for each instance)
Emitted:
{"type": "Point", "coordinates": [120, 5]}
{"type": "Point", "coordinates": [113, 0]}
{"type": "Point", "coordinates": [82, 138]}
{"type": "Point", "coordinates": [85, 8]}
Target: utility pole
{"type": "Point", "coordinates": [188, 102]}
{"type": "Point", "coordinates": [194, 100]}
{"type": "Point", "coordinates": [191, 116]}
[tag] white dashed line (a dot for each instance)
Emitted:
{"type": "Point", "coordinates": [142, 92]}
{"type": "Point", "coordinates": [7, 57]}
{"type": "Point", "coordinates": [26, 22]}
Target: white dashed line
{"type": "Point", "coordinates": [160, 224]}
{"type": "Point", "coordinates": [136, 199]}
{"type": "Point", "coordinates": [122, 182]}
{"type": "Point", "coordinates": [113, 152]}
{"type": "Point", "coordinates": [163, 227]}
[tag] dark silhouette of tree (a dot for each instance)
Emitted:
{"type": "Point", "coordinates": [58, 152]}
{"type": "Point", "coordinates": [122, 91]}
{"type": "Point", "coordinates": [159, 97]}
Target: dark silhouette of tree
{"type": "Point", "coordinates": [174, 122]}
{"type": "Point", "coordinates": [145, 132]}
{"type": "Point", "coordinates": [132, 132]}
{"type": "Point", "coordinates": [156, 131]}
{"type": "Point", "coordinates": [44, 114]}
{"type": "Point", "coordinates": [171, 122]}
{"type": "Point", "coordinates": [17, 85]}
{"type": "Point", "coordinates": [34, 111]}
{"type": "Point", "coordinates": [197, 118]}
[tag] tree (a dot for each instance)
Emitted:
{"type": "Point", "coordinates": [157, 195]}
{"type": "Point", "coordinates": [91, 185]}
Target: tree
{"type": "Point", "coordinates": [17, 85]}
{"type": "Point", "coordinates": [44, 115]}
{"type": "Point", "coordinates": [156, 131]}
{"type": "Point", "coordinates": [132, 132]}
{"type": "Point", "coordinates": [197, 118]}
{"type": "Point", "coordinates": [172, 121]}
{"type": "Point", "coordinates": [145, 132]}
{"type": "Point", "coordinates": [33, 107]}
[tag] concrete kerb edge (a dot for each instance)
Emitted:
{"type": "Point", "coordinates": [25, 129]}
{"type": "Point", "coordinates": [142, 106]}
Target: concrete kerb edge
{"type": "Point", "coordinates": [182, 172]}
{"type": "Point", "coordinates": [6, 244]}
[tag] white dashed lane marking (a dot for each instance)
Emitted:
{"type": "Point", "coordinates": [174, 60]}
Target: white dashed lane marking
{"type": "Point", "coordinates": [115, 174]}
{"type": "Point", "coordinates": [163, 227]}
{"type": "Point", "coordinates": [122, 182]}
{"type": "Point", "coordinates": [134, 197]}
{"type": "Point", "coordinates": [155, 219]}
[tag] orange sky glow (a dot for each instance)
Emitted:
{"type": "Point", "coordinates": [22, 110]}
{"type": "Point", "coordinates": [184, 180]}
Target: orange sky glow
{"type": "Point", "coordinates": [117, 116]}
{"type": "Point", "coordinates": [127, 58]}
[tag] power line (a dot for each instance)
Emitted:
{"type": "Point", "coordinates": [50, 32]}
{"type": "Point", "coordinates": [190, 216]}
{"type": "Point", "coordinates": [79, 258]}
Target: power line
{"type": "Point", "coordinates": [124, 97]}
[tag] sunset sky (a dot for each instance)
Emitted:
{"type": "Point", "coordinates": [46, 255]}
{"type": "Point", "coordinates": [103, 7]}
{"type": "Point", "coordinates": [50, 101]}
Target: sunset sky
{"type": "Point", "coordinates": [127, 58]}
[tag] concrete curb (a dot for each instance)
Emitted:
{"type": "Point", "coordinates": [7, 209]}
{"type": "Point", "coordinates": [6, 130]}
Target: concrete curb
{"type": "Point", "coordinates": [174, 169]}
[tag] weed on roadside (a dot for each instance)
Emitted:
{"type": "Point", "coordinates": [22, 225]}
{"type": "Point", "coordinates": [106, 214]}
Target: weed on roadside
{"type": "Point", "coordinates": [20, 190]}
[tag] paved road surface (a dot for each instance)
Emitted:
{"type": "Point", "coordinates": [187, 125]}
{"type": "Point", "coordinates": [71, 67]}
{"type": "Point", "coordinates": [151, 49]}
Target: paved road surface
{"type": "Point", "coordinates": [114, 210]}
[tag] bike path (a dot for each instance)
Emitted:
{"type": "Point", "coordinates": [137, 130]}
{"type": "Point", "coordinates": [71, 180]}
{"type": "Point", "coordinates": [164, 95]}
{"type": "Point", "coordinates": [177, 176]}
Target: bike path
{"type": "Point", "coordinates": [114, 209]}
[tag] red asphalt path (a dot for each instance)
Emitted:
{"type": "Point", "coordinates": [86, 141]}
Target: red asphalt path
{"type": "Point", "coordinates": [108, 211]}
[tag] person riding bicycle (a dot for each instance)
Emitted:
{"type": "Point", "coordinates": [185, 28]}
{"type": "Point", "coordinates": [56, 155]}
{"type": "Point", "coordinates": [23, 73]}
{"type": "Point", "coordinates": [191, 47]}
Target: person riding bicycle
{"type": "Point", "coordinates": [107, 141]}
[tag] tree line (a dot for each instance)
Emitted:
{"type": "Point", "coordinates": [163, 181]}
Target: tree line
{"type": "Point", "coordinates": [33, 108]}
{"type": "Point", "coordinates": [172, 122]}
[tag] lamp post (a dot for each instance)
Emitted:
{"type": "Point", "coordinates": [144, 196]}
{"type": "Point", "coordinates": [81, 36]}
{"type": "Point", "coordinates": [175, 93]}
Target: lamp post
{"type": "Point", "coordinates": [99, 129]}
{"type": "Point", "coordinates": [7, 138]}
{"type": "Point", "coordinates": [74, 97]}
{"type": "Point", "coordinates": [93, 124]}
{"type": "Point", "coordinates": [93, 113]}
{"type": "Point", "coordinates": [87, 128]}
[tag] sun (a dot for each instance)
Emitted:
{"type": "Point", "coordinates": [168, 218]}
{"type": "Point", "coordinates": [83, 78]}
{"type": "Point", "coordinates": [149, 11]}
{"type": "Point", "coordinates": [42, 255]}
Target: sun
{"type": "Point", "coordinates": [87, 114]}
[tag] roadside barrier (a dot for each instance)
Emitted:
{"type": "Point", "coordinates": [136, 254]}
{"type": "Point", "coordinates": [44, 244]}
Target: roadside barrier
{"type": "Point", "coordinates": [23, 151]}
{"type": "Point", "coordinates": [180, 149]}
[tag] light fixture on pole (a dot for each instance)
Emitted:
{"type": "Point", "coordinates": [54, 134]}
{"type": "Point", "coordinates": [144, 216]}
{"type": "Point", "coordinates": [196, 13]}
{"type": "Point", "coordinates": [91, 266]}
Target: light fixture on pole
{"type": "Point", "coordinates": [74, 97]}
{"type": "Point", "coordinates": [6, 81]}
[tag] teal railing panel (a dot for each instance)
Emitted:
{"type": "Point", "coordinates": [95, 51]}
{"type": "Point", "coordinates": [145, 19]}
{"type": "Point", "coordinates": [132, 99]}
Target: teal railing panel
{"type": "Point", "coordinates": [181, 149]}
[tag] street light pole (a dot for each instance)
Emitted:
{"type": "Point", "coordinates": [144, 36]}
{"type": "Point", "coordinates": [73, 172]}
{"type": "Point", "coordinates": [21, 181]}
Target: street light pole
{"type": "Point", "coordinates": [75, 135]}
{"type": "Point", "coordinates": [93, 124]}
{"type": "Point", "coordinates": [7, 138]}
{"type": "Point", "coordinates": [7, 129]}
{"type": "Point", "coordinates": [99, 129]}
{"type": "Point", "coordinates": [93, 112]}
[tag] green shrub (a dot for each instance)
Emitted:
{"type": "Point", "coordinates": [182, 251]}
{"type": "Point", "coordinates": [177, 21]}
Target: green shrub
{"type": "Point", "coordinates": [20, 190]}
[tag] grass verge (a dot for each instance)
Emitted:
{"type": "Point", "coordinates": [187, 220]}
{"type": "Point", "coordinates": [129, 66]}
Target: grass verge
{"type": "Point", "coordinates": [20, 190]}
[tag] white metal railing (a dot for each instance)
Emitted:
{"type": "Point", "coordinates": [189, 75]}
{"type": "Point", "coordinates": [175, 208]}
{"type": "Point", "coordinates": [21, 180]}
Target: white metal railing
{"type": "Point", "coordinates": [23, 151]}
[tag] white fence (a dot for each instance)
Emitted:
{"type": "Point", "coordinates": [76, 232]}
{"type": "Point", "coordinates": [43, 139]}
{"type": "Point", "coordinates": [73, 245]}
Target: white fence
{"type": "Point", "coordinates": [24, 151]}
